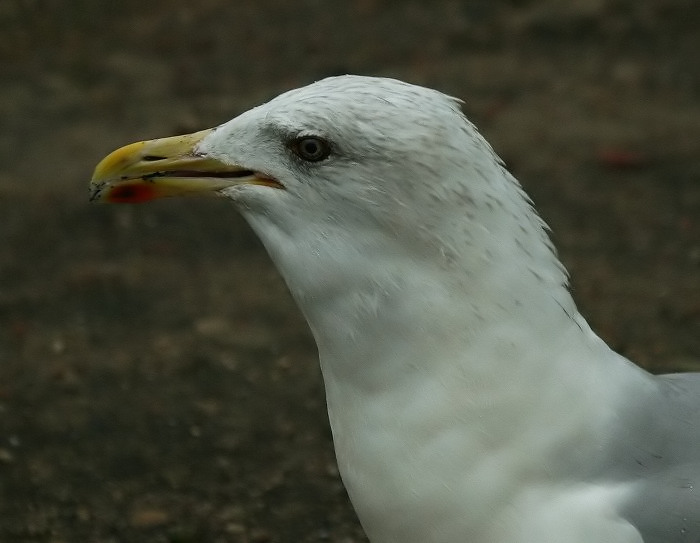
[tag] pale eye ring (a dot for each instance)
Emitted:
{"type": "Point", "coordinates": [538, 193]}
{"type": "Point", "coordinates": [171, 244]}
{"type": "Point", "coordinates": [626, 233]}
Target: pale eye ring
{"type": "Point", "coordinates": [311, 148]}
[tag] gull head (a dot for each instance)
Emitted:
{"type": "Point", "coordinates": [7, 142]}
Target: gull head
{"type": "Point", "coordinates": [350, 154]}
{"type": "Point", "coordinates": [346, 173]}
{"type": "Point", "coordinates": [366, 146]}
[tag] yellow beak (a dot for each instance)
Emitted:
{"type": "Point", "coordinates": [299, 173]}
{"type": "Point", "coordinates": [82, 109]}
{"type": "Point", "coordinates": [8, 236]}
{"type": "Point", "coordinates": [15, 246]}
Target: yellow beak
{"type": "Point", "coordinates": [147, 170]}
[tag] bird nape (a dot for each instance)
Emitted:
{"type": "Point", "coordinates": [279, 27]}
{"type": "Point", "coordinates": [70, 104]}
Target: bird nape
{"type": "Point", "coordinates": [468, 398]}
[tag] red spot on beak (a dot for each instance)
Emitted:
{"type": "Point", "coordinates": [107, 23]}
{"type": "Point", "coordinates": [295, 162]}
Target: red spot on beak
{"type": "Point", "coordinates": [131, 194]}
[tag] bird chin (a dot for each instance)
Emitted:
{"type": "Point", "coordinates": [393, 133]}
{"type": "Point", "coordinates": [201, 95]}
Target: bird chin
{"type": "Point", "coordinates": [250, 197]}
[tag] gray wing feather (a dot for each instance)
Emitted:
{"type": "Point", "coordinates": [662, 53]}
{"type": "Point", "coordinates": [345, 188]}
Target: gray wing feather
{"type": "Point", "coordinates": [659, 447]}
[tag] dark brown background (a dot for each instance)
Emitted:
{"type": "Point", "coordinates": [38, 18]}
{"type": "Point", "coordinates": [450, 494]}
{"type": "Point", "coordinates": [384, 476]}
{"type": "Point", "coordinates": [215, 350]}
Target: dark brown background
{"type": "Point", "coordinates": [156, 381]}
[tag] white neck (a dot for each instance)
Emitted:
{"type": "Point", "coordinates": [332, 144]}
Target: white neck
{"type": "Point", "coordinates": [427, 353]}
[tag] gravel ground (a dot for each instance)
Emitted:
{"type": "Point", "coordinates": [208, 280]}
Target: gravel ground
{"type": "Point", "coordinates": [156, 381]}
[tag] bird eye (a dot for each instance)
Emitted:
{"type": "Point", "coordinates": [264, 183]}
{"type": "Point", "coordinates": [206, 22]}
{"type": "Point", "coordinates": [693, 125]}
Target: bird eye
{"type": "Point", "coordinates": [311, 148]}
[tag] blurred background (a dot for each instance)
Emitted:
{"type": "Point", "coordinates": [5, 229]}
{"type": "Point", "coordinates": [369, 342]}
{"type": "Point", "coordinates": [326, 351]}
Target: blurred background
{"type": "Point", "coordinates": [156, 381]}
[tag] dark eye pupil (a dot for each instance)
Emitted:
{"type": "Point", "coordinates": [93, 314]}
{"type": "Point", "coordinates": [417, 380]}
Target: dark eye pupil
{"type": "Point", "coordinates": [312, 149]}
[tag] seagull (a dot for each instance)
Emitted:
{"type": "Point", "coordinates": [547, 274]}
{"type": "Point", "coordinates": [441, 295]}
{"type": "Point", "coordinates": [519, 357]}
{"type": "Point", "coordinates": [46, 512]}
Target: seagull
{"type": "Point", "coordinates": [468, 398]}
